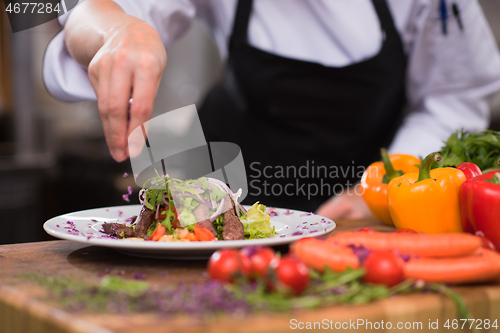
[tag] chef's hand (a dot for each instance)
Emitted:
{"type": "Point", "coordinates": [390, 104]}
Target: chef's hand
{"type": "Point", "coordinates": [345, 206]}
{"type": "Point", "coordinates": [126, 58]}
{"type": "Point", "coordinates": [131, 62]}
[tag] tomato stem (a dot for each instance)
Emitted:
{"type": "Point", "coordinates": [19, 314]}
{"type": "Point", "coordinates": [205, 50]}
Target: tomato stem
{"type": "Point", "coordinates": [425, 167]}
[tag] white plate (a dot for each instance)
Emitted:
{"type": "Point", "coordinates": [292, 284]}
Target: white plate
{"type": "Point", "coordinates": [84, 227]}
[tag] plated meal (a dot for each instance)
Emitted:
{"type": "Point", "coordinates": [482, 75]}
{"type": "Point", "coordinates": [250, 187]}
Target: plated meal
{"type": "Point", "coordinates": [203, 209]}
{"type": "Point", "coordinates": [186, 220]}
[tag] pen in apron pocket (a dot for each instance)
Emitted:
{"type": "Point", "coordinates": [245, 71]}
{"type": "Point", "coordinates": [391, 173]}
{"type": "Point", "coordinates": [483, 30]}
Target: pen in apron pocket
{"type": "Point", "coordinates": [443, 14]}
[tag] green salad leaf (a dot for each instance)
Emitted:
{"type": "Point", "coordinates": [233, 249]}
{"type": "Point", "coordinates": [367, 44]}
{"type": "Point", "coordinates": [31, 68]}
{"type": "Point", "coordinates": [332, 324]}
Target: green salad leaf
{"type": "Point", "coordinates": [257, 223]}
{"type": "Point", "coordinates": [186, 218]}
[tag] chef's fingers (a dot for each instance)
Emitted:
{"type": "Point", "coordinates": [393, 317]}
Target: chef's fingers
{"type": "Point", "coordinates": [345, 206]}
{"type": "Point", "coordinates": [145, 86]}
{"type": "Point", "coordinates": [113, 94]}
{"type": "Point", "coordinates": [334, 208]}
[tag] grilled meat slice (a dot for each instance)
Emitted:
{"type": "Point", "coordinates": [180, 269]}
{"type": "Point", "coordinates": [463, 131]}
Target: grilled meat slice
{"type": "Point", "coordinates": [202, 215]}
{"type": "Point", "coordinates": [232, 228]}
{"type": "Point", "coordinates": [116, 229]}
{"type": "Point", "coordinates": [144, 221]}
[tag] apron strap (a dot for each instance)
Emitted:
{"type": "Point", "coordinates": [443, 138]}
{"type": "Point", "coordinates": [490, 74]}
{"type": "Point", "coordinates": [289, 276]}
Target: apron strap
{"type": "Point", "coordinates": [385, 17]}
{"type": "Point", "coordinates": [244, 9]}
{"type": "Point", "coordinates": [240, 25]}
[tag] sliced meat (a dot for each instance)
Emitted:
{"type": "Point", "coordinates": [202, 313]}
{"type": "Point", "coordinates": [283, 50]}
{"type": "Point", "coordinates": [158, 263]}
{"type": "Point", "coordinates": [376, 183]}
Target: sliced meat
{"type": "Point", "coordinates": [233, 228]}
{"type": "Point", "coordinates": [116, 229]}
{"type": "Point", "coordinates": [202, 216]}
{"type": "Point", "coordinates": [144, 221]}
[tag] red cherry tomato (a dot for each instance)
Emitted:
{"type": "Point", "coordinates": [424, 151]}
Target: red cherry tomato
{"type": "Point", "coordinates": [383, 268]}
{"type": "Point", "coordinates": [260, 261]}
{"type": "Point", "coordinates": [366, 230]}
{"type": "Point", "coordinates": [405, 231]}
{"type": "Point", "coordinates": [290, 275]}
{"type": "Point", "coordinates": [227, 265]}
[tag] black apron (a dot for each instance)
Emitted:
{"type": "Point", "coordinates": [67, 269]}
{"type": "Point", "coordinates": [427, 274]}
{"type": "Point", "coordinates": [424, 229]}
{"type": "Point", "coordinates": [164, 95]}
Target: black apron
{"type": "Point", "coordinates": [305, 130]}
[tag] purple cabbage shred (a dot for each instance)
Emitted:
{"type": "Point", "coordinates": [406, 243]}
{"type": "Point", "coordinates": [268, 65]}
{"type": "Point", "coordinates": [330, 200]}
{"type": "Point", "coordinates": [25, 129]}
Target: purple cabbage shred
{"type": "Point", "coordinates": [360, 251]}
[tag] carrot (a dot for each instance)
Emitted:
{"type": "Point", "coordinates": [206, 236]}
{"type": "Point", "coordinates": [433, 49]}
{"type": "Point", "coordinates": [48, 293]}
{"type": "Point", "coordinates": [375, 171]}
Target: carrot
{"type": "Point", "coordinates": [191, 237]}
{"type": "Point", "coordinates": [158, 233]}
{"type": "Point", "coordinates": [483, 265]}
{"type": "Point", "coordinates": [203, 234]}
{"type": "Point", "coordinates": [423, 245]}
{"type": "Point", "coordinates": [317, 254]}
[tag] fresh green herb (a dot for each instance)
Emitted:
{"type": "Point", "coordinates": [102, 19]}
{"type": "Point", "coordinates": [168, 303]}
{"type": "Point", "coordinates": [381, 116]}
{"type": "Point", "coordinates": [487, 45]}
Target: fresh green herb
{"type": "Point", "coordinates": [331, 288]}
{"type": "Point", "coordinates": [151, 229]}
{"type": "Point", "coordinates": [481, 148]}
{"type": "Point", "coordinates": [218, 225]}
{"type": "Point", "coordinates": [114, 294]}
{"type": "Point", "coordinates": [117, 284]}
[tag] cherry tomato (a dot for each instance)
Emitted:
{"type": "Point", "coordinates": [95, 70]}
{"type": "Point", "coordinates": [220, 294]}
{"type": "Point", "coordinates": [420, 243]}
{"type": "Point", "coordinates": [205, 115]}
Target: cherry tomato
{"type": "Point", "coordinates": [405, 231]}
{"type": "Point", "coordinates": [370, 230]}
{"type": "Point", "coordinates": [260, 261]}
{"type": "Point", "coordinates": [227, 265]}
{"type": "Point", "coordinates": [288, 274]}
{"type": "Point", "coordinates": [383, 268]}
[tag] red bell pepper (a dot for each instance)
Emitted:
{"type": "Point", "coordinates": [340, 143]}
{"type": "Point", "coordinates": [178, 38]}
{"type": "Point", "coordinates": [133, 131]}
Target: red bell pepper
{"type": "Point", "coordinates": [479, 200]}
{"type": "Point", "coordinates": [469, 169]}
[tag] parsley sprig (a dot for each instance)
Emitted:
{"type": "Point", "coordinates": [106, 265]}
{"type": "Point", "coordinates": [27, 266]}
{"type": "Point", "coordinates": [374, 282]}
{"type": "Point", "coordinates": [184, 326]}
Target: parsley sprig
{"type": "Point", "coordinates": [481, 148]}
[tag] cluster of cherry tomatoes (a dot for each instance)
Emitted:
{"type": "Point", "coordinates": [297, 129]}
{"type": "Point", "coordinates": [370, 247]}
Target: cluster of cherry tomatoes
{"type": "Point", "coordinates": [290, 275]}
{"type": "Point", "coordinates": [286, 274]}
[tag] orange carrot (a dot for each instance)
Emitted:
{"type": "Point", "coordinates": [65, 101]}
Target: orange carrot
{"type": "Point", "coordinates": [423, 245]}
{"type": "Point", "coordinates": [191, 237]}
{"type": "Point", "coordinates": [203, 234]}
{"type": "Point", "coordinates": [317, 254]}
{"type": "Point", "coordinates": [158, 233]}
{"type": "Point", "coordinates": [483, 265]}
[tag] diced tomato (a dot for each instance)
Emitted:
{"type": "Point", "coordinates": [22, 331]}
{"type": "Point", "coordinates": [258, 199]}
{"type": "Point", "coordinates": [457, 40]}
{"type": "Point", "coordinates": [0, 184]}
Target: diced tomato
{"type": "Point", "coordinates": [203, 234]}
{"type": "Point", "coordinates": [158, 233]}
{"type": "Point", "coordinates": [191, 237]}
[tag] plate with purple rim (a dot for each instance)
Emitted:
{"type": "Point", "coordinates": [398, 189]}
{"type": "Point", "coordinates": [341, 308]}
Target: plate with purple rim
{"type": "Point", "coordinates": [85, 227]}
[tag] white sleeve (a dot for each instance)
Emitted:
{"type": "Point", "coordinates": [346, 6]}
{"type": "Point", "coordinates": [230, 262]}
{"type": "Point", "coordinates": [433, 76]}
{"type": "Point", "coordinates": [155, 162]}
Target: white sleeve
{"type": "Point", "coordinates": [451, 79]}
{"type": "Point", "coordinates": [66, 80]}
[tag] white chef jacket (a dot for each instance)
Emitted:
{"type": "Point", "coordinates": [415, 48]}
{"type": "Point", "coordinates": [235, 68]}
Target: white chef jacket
{"type": "Point", "coordinates": [450, 78]}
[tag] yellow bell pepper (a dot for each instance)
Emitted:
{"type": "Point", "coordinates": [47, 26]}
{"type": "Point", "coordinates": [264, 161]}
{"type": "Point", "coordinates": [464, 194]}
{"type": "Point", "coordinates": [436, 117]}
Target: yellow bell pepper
{"type": "Point", "coordinates": [378, 175]}
{"type": "Point", "coordinates": [427, 201]}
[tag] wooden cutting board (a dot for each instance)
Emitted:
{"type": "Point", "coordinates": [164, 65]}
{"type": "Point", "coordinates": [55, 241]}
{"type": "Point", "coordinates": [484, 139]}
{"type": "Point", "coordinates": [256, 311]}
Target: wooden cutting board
{"type": "Point", "coordinates": [23, 309]}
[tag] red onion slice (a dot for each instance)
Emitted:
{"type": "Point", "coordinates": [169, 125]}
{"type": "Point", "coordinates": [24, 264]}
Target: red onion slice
{"type": "Point", "coordinates": [142, 196]}
{"type": "Point", "coordinates": [218, 211]}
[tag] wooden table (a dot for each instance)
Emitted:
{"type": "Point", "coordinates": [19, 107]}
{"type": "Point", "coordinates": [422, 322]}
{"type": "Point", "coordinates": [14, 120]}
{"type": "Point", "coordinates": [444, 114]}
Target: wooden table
{"type": "Point", "coordinates": [22, 310]}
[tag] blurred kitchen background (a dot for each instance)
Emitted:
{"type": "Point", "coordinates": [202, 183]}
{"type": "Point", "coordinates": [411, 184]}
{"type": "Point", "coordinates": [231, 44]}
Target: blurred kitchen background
{"type": "Point", "coordinates": [53, 157]}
